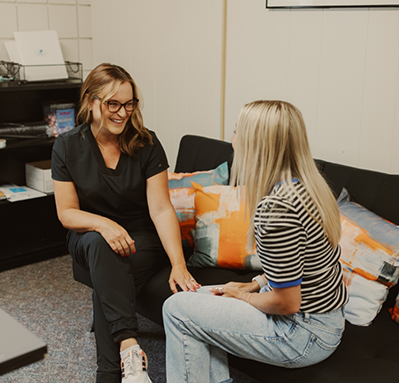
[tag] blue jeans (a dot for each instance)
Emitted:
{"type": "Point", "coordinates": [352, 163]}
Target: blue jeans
{"type": "Point", "coordinates": [202, 328]}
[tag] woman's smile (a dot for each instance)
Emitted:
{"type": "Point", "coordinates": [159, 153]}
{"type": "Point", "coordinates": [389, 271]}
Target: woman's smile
{"type": "Point", "coordinates": [113, 122]}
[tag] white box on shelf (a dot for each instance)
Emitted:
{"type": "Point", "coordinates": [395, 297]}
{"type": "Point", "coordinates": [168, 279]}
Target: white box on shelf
{"type": "Point", "coordinates": [38, 176]}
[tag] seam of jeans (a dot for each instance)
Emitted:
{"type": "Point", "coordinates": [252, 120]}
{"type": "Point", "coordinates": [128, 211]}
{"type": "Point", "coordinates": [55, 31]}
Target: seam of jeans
{"type": "Point", "coordinates": [292, 362]}
{"type": "Point", "coordinates": [282, 337]}
{"type": "Point", "coordinates": [326, 346]}
{"type": "Point", "coordinates": [185, 350]}
{"type": "Point", "coordinates": [330, 330]}
{"type": "Point", "coordinates": [326, 328]}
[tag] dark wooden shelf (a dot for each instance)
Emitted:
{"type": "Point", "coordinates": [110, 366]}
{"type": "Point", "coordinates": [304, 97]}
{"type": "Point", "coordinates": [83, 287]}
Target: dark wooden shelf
{"type": "Point", "coordinates": [17, 86]}
{"type": "Point", "coordinates": [30, 230]}
{"type": "Point", "coordinates": [24, 103]}
{"type": "Point", "coordinates": [15, 144]}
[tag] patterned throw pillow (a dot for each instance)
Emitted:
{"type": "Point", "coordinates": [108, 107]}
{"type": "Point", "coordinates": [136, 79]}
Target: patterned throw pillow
{"type": "Point", "coordinates": [370, 259]}
{"type": "Point", "coordinates": [182, 194]}
{"type": "Point", "coordinates": [220, 234]}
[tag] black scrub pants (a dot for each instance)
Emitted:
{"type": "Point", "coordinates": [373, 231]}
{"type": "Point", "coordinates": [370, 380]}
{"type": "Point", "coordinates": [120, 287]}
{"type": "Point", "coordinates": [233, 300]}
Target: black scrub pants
{"type": "Point", "coordinates": [116, 283]}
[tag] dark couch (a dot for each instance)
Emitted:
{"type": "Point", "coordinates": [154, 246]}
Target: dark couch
{"type": "Point", "coordinates": [366, 354]}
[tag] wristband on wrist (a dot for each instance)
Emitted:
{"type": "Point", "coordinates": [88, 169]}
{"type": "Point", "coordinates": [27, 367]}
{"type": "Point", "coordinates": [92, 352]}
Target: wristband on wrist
{"type": "Point", "coordinates": [260, 280]}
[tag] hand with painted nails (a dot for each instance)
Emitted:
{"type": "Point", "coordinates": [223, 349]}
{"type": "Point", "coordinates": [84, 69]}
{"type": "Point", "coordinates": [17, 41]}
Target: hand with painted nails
{"type": "Point", "coordinates": [117, 238]}
{"type": "Point", "coordinates": [180, 276]}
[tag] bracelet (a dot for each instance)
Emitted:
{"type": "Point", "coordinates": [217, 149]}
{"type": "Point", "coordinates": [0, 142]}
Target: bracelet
{"type": "Point", "coordinates": [260, 280]}
{"type": "Point", "coordinates": [249, 297]}
{"type": "Point", "coordinates": [239, 297]}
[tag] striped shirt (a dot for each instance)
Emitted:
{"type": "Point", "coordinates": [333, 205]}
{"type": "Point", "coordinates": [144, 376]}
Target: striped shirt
{"type": "Point", "coordinates": [294, 250]}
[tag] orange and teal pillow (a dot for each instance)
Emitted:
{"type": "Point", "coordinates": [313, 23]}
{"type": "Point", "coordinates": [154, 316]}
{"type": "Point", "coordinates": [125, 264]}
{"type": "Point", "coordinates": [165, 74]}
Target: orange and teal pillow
{"type": "Point", "coordinates": [220, 234]}
{"type": "Point", "coordinates": [182, 194]}
{"type": "Point", "coordinates": [218, 176]}
{"type": "Point", "coordinates": [370, 259]}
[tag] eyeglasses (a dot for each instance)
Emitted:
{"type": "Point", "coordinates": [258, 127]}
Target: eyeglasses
{"type": "Point", "coordinates": [115, 106]}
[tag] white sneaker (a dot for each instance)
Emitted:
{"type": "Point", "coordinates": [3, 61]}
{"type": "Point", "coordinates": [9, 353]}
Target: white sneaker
{"type": "Point", "coordinates": [134, 366]}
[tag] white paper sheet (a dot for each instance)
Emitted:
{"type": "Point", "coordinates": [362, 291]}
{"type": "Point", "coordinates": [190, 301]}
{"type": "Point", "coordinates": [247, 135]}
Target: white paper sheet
{"type": "Point", "coordinates": [43, 50]}
{"type": "Point", "coordinates": [12, 50]}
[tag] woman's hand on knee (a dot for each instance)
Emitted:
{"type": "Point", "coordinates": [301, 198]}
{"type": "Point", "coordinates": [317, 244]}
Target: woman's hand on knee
{"type": "Point", "coordinates": [181, 276]}
{"type": "Point", "coordinates": [235, 289]}
{"type": "Point", "coordinates": [250, 287]}
{"type": "Point", "coordinates": [117, 238]}
{"type": "Point", "coordinates": [229, 290]}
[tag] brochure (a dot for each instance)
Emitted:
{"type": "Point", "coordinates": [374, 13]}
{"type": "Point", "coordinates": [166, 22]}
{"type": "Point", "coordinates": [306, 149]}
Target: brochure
{"type": "Point", "coordinates": [15, 193]}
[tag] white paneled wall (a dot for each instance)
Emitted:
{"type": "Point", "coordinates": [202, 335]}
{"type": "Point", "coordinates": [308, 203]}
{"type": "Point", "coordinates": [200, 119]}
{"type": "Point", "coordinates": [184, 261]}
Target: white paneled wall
{"type": "Point", "coordinates": [340, 67]}
{"type": "Point", "coordinates": [173, 51]}
{"type": "Point", "coordinates": [70, 18]}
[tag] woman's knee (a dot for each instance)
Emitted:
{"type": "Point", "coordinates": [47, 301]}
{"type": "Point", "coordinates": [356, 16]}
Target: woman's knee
{"type": "Point", "coordinates": [94, 239]}
{"type": "Point", "coordinates": [83, 241]}
{"type": "Point", "coordinates": [94, 244]}
{"type": "Point", "coordinates": [172, 307]}
{"type": "Point", "coordinates": [87, 247]}
{"type": "Point", "coordinates": [167, 307]}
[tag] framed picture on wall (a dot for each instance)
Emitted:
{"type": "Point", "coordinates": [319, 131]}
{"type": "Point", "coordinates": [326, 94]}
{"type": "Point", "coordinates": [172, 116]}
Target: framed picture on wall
{"type": "Point", "coordinates": [330, 3]}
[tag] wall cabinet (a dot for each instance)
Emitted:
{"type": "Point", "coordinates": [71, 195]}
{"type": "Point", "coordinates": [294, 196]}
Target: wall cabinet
{"type": "Point", "coordinates": [29, 230]}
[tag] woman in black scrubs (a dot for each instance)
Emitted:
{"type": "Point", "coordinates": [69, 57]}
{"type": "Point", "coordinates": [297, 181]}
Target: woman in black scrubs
{"type": "Point", "coordinates": [111, 191]}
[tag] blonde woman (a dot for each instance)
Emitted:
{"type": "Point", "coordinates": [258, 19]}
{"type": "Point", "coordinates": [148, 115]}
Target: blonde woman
{"type": "Point", "coordinates": [111, 191]}
{"type": "Point", "coordinates": [292, 314]}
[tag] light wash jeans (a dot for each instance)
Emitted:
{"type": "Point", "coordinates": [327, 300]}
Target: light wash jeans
{"type": "Point", "coordinates": [202, 328]}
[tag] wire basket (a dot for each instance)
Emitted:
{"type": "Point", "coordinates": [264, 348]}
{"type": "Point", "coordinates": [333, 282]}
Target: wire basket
{"type": "Point", "coordinates": [70, 71]}
{"type": "Point", "coordinates": [10, 70]}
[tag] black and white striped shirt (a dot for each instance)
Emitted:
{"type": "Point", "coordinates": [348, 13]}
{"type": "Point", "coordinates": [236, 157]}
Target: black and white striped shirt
{"type": "Point", "coordinates": [294, 250]}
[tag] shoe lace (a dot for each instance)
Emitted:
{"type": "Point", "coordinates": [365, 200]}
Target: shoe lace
{"type": "Point", "coordinates": [133, 363]}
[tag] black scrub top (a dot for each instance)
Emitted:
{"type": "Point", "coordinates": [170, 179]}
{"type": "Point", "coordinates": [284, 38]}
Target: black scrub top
{"type": "Point", "coordinates": [118, 194]}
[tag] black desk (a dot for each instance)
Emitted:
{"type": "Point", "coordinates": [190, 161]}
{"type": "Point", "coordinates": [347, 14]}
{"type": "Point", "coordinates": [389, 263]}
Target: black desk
{"type": "Point", "coordinates": [18, 346]}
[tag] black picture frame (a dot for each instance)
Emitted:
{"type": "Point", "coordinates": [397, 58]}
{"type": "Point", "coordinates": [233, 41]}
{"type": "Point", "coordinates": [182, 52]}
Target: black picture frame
{"type": "Point", "coordinates": [273, 4]}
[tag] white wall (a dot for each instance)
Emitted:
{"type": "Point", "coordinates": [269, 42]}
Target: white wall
{"type": "Point", "coordinates": [70, 18]}
{"type": "Point", "coordinates": [173, 51]}
{"type": "Point", "coordinates": [340, 67]}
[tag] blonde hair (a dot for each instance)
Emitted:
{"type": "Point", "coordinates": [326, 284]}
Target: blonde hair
{"type": "Point", "coordinates": [103, 82]}
{"type": "Point", "coordinates": [271, 147]}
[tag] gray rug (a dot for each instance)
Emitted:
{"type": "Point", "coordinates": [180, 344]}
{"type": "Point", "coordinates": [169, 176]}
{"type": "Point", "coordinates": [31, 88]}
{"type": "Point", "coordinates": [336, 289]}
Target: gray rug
{"type": "Point", "coordinates": [45, 298]}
